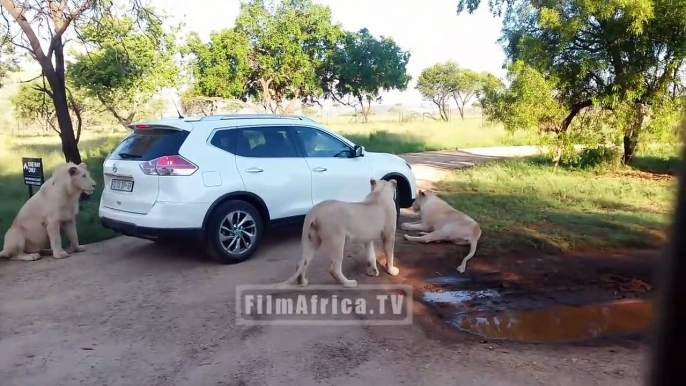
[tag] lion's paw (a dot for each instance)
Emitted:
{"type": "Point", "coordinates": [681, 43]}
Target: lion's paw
{"type": "Point", "coordinates": [393, 271]}
{"type": "Point", "coordinates": [79, 248]}
{"type": "Point", "coordinates": [60, 254]}
{"type": "Point", "coordinates": [372, 271]}
{"type": "Point", "coordinates": [303, 282]}
{"type": "Point", "coordinates": [350, 283]}
{"type": "Point", "coordinates": [461, 269]}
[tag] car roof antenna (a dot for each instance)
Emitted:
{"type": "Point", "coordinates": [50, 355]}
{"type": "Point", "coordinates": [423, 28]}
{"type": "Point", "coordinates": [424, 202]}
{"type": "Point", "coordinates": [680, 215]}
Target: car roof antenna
{"type": "Point", "coordinates": [177, 109]}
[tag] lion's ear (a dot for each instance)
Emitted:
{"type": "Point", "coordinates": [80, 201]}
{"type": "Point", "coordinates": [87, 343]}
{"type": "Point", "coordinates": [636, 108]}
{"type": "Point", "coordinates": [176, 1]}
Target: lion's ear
{"type": "Point", "coordinates": [83, 165]}
{"type": "Point", "coordinates": [372, 182]}
{"type": "Point", "coordinates": [421, 193]}
{"type": "Point", "coordinates": [73, 170]}
{"type": "Point", "coordinates": [394, 183]}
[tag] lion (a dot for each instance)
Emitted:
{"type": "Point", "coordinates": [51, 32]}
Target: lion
{"type": "Point", "coordinates": [54, 206]}
{"type": "Point", "coordinates": [444, 223]}
{"type": "Point", "coordinates": [331, 223]}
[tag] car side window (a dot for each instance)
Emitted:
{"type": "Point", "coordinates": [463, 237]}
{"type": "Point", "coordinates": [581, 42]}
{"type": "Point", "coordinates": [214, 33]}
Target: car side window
{"type": "Point", "coordinates": [224, 139]}
{"type": "Point", "coordinates": [317, 143]}
{"type": "Point", "coordinates": [265, 142]}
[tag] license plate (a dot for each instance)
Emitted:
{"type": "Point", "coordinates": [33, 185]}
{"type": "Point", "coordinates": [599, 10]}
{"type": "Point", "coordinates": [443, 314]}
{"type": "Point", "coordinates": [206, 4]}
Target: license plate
{"type": "Point", "coordinates": [122, 185]}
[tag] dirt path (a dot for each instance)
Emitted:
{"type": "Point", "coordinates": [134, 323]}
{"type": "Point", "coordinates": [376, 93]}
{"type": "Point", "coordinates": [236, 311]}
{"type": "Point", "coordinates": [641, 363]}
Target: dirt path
{"type": "Point", "coordinates": [127, 312]}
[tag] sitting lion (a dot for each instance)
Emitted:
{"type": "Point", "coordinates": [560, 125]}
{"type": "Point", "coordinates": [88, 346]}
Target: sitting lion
{"type": "Point", "coordinates": [331, 223]}
{"type": "Point", "coordinates": [55, 205]}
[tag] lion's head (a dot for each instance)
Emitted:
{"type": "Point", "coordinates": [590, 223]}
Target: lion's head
{"type": "Point", "coordinates": [385, 188]}
{"type": "Point", "coordinates": [77, 178]}
{"type": "Point", "coordinates": [422, 195]}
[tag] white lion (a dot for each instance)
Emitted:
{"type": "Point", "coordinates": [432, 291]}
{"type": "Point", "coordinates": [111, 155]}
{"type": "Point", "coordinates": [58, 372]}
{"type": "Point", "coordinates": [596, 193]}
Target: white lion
{"type": "Point", "coordinates": [445, 224]}
{"type": "Point", "coordinates": [331, 223]}
{"type": "Point", "coordinates": [54, 206]}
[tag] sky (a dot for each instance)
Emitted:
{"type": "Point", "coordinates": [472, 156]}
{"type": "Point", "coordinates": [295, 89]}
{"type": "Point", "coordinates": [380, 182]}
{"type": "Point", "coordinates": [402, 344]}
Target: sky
{"type": "Point", "coordinates": [432, 33]}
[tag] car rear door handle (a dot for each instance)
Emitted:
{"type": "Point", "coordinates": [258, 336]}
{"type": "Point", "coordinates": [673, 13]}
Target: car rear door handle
{"type": "Point", "coordinates": [319, 169]}
{"type": "Point", "coordinates": [254, 170]}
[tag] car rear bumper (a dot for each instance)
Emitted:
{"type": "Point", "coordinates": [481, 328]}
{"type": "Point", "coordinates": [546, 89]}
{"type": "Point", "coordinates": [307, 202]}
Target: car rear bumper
{"type": "Point", "coordinates": [133, 230]}
{"type": "Point", "coordinates": [164, 220]}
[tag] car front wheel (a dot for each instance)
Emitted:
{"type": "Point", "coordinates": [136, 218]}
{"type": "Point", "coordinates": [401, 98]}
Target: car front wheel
{"type": "Point", "coordinates": [234, 232]}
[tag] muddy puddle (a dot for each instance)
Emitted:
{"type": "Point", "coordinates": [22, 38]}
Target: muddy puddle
{"type": "Point", "coordinates": [561, 323]}
{"type": "Point", "coordinates": [489, 314]}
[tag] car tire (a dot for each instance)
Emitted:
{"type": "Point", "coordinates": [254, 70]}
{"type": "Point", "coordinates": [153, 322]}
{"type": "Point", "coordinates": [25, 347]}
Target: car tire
{"type": "Point", "coordinates": [232, 213]}
{"type": "Point", "coordinates": [398, 198]}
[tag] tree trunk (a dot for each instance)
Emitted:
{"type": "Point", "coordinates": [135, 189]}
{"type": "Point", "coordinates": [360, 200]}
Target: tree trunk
{"type": "Point", "coordinates": [631, 136]}
{"type": "Point", "coordinates": [59, 98]}
{"type": "Point", "coordinates": [630, 145]}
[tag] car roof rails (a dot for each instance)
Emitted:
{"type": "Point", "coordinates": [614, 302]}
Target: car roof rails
{"type": "Point", "coordinates": [223, 117]}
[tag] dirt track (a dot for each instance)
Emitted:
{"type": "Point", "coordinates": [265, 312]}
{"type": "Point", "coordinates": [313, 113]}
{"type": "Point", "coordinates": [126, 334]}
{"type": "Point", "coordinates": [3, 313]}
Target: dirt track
{"type": "Point", "coordinates": [128, 312]}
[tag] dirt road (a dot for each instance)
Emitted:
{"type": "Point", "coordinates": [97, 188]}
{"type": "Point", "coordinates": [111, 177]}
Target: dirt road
{"type": "Point", "coordinates": [128, 312]}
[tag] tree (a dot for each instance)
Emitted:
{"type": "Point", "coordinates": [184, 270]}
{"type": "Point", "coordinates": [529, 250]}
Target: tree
{"type": "Point", "coordinates": [32, 103]}
{"type": "Point", "coordinates": [361, 66]}
{"type": "Point", "coordinates": [621, 57]}
{"type": "Point", "coordinates": [28, 23]}
{"type": "Point", "coordinates": [127, 62]}
{"type": "Point", "coordinates": [221, 68]}
{"type": "Point", "coordinates": [272, 54]}
{"type": "Point", "coordinates": [468, 84]}
{"type": "Point", "coordinates": [436, 84]}
{"type": "Point", "coordinates": [443, 81]}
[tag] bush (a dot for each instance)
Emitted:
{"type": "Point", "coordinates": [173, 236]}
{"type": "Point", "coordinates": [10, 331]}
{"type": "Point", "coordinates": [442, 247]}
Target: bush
{"type": "Point", "coordinates": [594, 157]}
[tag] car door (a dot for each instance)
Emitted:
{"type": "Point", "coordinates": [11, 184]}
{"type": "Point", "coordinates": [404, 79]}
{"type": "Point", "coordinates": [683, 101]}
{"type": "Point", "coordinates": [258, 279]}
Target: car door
{"type": "Point", "coordinates": [336, 173]}
{"type": "Point", "coordinates": [268, 162]}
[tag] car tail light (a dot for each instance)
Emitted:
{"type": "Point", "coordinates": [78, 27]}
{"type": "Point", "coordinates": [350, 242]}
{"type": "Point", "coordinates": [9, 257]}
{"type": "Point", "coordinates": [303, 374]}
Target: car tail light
{"type": "Point", "coordinates": [168, 165]}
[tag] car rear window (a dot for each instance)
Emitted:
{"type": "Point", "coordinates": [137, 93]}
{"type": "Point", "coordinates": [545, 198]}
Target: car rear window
{"type": "Point", "coordinates": [148, 144]}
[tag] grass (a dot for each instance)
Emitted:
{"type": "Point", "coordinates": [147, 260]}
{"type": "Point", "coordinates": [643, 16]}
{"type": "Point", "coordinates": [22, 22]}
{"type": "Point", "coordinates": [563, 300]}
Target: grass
{"type": "Point", "coordinates": [395, 137]}
{"type": "Point", "coordinates": [527, 203]}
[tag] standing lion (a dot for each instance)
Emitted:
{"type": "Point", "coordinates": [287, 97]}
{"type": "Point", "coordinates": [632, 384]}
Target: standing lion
{"type": "Point", "coordinates": [52, 208]}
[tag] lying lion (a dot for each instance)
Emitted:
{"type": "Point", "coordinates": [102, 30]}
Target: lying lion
{"type": "Point", "coordinates": [54, 206]}
{"type": "Point", "coordinates": [330, 224]}
{"type": "Point", "coordinates": [445, 224]}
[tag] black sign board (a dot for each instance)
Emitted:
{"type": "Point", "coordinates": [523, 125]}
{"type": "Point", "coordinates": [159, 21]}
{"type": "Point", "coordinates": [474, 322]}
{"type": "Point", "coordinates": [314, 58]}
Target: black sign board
{"type": "Point", "coordinates": [33, 172]}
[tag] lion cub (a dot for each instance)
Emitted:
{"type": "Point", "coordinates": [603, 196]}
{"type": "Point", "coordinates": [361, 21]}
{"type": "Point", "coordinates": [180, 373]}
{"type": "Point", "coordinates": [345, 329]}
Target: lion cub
{"type": "Point", "coordinates": [331, 223]}
{"type": "Point", "coordinates": [445, 224]}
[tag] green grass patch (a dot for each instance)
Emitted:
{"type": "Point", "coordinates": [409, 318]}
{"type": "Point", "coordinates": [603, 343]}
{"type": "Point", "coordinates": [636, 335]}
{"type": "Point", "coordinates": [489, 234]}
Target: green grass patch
{"type": "Point", "coordinates": [527, 203]}
{"type": "Point", "coordinates": [398, 138]}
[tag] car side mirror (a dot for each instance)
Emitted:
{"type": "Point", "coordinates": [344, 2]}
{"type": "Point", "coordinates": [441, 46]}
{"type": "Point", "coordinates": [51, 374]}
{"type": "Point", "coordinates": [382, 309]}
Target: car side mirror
{"type": "Point", "coordinates": [359, 151]}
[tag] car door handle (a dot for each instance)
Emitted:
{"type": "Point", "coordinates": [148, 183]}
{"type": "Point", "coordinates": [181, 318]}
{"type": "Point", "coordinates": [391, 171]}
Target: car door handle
{"type": "Point", "coordinates": [319, 169]}
{"type": "Point", "coordinates": [254, 170]}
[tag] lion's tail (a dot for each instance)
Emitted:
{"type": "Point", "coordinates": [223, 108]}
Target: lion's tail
{"type": "Point", "coordinates": [310, 241]}
{"type": "Point", "coordinates": [473, 240]}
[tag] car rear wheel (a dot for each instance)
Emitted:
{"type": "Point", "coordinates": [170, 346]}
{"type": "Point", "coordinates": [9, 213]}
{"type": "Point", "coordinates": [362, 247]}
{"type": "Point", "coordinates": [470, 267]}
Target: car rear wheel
{"type": "Point", "coordinates": [234, 232]}
{"type": "Point", "coordinates": [398, 197]}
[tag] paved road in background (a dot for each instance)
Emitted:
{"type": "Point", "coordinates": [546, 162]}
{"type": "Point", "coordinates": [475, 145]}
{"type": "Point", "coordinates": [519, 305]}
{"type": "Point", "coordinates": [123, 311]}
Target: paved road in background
{"type": "Point", "coordinates": [129, 312]}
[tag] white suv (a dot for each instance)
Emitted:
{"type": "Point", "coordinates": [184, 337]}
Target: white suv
{"type": "Point", "coordinates": [222, 180]}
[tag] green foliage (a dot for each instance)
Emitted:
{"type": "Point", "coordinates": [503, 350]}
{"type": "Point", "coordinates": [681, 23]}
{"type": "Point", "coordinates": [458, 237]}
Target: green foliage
{"type": "Point", "coordinates": [436, 84]}
{"type": "Point", "coordinates": [221, 67]}
{"type": "Point", "coordinates": [443, 81]}
{"type": "Point", "coordinates": [32, 104]}
{"type": "Point", "coordinates": [361, 66]}
{"type": "Point", "coordinates": [292, 51]}
{"type": "Point", "coordinates": [274, 54]}
{"type": "Point", "coordinates": [127, 62]}
{"type": "Point", "coordinates": [621, 59]}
